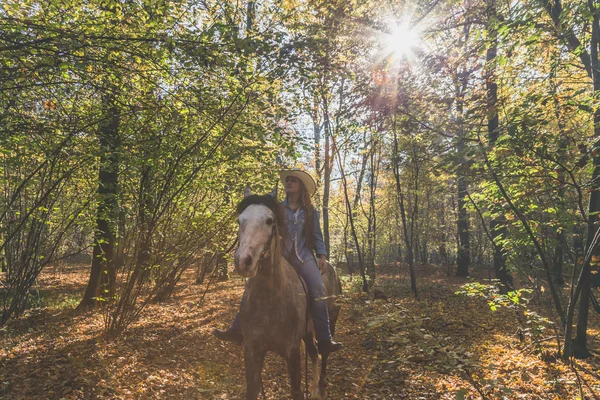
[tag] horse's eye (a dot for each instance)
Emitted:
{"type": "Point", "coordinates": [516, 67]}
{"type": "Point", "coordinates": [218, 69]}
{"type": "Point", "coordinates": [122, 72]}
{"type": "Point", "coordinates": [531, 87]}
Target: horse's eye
{"type": "Point", "coordinates": [269, 221]}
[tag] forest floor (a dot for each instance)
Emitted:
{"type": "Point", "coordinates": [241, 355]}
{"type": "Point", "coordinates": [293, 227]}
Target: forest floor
{"type": "Point", "coordinates": [441, 346]}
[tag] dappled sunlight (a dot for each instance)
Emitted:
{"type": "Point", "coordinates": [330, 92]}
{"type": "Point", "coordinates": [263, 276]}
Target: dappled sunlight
{"type": "Point", "coordinates": [512, 369]}
{"type": "Point", "coordinates": [449, 158]}
{"type": "Point", "coordinates": [416, 347]}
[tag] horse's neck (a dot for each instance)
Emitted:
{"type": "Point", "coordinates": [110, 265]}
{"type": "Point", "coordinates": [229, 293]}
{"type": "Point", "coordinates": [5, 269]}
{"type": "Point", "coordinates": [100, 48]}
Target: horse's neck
{"type": "Point", "coordinates": [270, 273]}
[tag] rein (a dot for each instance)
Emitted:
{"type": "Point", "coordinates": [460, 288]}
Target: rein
{"type": "Point", "coordinates": [268, 244]}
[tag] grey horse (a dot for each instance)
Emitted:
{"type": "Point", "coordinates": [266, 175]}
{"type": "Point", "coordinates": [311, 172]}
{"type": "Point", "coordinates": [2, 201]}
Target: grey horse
{"type": "Point", "coordinates": [275, 317]}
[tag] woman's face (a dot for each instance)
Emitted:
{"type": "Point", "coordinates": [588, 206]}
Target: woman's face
{"type": "Point", "coordinates": [292, 185]}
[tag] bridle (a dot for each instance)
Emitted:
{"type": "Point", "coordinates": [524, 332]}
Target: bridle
{"type": "Point", "coordinates": [268, 244]}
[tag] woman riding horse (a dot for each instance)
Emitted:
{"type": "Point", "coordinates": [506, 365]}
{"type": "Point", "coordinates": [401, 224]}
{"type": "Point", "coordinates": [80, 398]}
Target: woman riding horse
{"type": "Point", "coordinates": [304, 237]}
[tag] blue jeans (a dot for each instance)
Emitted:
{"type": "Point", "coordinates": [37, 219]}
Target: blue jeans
{"type": "Point", "coordinates": [309, 271]}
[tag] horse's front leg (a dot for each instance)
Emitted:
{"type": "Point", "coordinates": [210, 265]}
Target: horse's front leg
{"type": "Point", "coordinates": [295, 372]}
{"type": "Point", "coordinates": [253, 361]}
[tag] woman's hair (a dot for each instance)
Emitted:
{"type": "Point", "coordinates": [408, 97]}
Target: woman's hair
{"type": "Point", "coordinates": [309, 216]}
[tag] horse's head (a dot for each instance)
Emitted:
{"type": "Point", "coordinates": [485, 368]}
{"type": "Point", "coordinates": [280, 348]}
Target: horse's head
{"type": "Point", "coordinates": [261, 222]}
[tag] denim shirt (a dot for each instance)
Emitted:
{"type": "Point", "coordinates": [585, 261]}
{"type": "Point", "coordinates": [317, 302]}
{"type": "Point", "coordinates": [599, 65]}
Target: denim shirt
{"type": "Point", "coordinates": [295, 241]}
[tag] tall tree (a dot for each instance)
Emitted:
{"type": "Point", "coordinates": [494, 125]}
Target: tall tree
{"type": "Point", "coordinates": [497, 224]}
{"type": "Point", "coordinates": [590, 61]}
{"type": "Point", "coordinates": [402, 205]}
{"type": "Point", "coordinates": [374, 161]}
{"type": "Point", "coordinates": [101, 284]}
{"type": "Point", "coordinates": [580, 343]}
{"type": "Point", "coordinates": [464, 248]}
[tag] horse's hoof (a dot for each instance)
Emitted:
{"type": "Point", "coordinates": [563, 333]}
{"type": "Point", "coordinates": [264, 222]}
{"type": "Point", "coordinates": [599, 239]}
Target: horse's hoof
{"type": "Point", "coordinates": [320, 395]}
{"type": "Point", "coordinates": [323, 391]}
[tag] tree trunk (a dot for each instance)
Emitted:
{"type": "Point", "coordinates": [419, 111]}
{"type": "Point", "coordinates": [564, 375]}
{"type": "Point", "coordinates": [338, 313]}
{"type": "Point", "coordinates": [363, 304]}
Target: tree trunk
{"type": "Point", "coordinates": [144, 242]}
{"type": "Point", "coordinates": [361, 175]}
{"type": "Point", "coordinates": [407, 242]}
{"type": "Point", "coordinates": [326, 189]}
{"type": "Point", "coordinates": [464, 247]}
{"type": "Point", "coordinates": [330, 150]}
{"type": "Point", "coordinates": [497, 229]}
{"type": "Point", "coordinates": [346, 250]}
{"type": "Point", "coordinates": [249, 17]}
{"type": "Point", "coordinates": [103, 272]}
{"type": "Point", "coordinates": [557, 259]}
{"type": "Point", "coordinates": [317, 139]}
{"type": "Point", "coordinates": [361, 263]}
{"type": "Point", "coordinates": [590, 63]}
{"type": "Point", "coordinates": [443, 247]}
{"type": "Point", "coordinates": [327, 167]}
{"type": "Point", "coordinates": [464, 250]}
{"type": "Point", "coordinates": [372, 228]}
{"type": "Point", "coordinates": [580, 343]}
{"type": "Point", "coordinates": [222, 271]}
{"type": "Point", "coordinates": [463, 261]}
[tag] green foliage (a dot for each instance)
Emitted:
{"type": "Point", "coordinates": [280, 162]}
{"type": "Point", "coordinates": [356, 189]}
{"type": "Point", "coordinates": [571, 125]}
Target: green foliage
{"type": "Point", "coordinates": [460, 394]}
{"type": "Point", "coordinates": [492, 294]}
{"type": "Point", "coordinates": [204, 105]}
{"type": "Point", "coordinates": [197, 106]}
{"type": "Point", "coordinates": [516, 300]}
{"type": "Point", "coordinates": [351, 283]}
{"type": "Point", "coordinates": [41, 299]}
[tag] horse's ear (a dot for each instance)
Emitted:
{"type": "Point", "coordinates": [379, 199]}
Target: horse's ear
{"type": "Point", "coordinates": [247, 190]}
{"type": "Point", "coordinates": [273, 193]}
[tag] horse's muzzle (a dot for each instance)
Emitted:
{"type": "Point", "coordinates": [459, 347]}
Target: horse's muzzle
{"type": "Point", "coordinates": [244, 265]}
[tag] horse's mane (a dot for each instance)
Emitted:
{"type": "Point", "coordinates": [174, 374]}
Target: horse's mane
{"type": "Point", "coordinates": [272, 204]}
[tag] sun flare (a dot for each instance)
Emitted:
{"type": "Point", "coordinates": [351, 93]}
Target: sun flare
{"type": "Point", "coordinates": [401, 41]}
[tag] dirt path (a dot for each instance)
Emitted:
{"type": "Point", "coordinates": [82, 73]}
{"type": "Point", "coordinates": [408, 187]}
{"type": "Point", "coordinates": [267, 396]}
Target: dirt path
{"type": "Point", "coordinates": [443, 346]}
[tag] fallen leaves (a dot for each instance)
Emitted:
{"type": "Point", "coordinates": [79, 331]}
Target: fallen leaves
{"type": "Point", "coordinates": [443, 346]}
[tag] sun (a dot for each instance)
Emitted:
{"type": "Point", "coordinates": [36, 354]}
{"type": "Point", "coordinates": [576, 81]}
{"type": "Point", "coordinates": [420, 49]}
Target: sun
{"type": "Point", "coordinates": [402, 41]}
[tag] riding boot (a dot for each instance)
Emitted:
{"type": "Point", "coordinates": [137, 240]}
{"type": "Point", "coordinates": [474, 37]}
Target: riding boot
{"type": "Point", "coordinates": [234, 333]}
{"type": "Point", "coordinates": [320, 316]}
{"type": "Point", "coordinates": [326, 347]}
{"type": "Point", "coordinates": [231, 335]}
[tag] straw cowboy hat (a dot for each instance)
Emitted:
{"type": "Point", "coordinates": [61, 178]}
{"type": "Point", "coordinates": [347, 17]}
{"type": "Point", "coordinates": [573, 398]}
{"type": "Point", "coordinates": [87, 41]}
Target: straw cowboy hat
{"type": "Point", "coordinates": [306, 179]}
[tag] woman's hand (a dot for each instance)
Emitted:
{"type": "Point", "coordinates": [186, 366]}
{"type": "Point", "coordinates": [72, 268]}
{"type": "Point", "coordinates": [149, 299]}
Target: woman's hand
{"type": "Point", "coordinates": [323, 264]}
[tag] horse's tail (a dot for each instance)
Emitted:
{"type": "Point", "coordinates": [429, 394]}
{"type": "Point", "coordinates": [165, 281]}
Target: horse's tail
{"type": "Point", "coordinates": [337, 283]}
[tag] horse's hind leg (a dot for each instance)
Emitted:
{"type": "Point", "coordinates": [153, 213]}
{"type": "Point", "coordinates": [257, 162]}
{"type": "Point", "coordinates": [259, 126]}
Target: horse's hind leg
{"type": "Point", "coordinates": [295, 372]}
{"type": "Point", "coordinates": [323, 383]}
{"type": "Point", "coordinates": [314, 358]}
{"type": "Point", "coordinates": [253, 361]}
{"type": "Point", "coordinates": [334, 312]}
{"type": "Point", "coordinates": [323, 379]}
